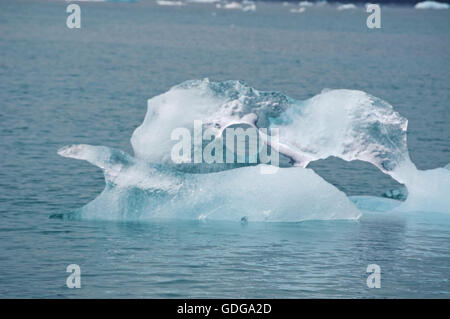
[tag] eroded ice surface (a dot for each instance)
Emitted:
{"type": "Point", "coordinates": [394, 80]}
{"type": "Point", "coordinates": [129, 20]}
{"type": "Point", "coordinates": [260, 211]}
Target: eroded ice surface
{"type": "Point", "coordinates": [136, 189]}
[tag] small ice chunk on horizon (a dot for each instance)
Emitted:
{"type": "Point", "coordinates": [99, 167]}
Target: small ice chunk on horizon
{"type": "Point", "coordinates": [203, 1]}
{"type": "Point", "coordinates": [306, 4]}
{"type": "Point", "coordinates": [298, 10]}
{"type": "Point", "coordinates": [348, 6]}
{"type": "Point", "coordinates": [431, 5]}
{"type": "Point", "coordinates": [169, 3]}
{"type": "Point", "coordinates": [244, 6]}
{"type": "Point", "coordinates": [232, 5]}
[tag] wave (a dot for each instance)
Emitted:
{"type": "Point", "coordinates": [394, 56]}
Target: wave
{"type": "Point", "coordinates": [348, 124]}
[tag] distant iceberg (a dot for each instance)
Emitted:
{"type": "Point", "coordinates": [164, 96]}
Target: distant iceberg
{"type": "Point", "coordinates": [248, 5]}
{"type": "Point", "coordinates": [105, 1]}
{"type": "Point", "coordinates": [203, 1]}
{"type": "Point", "coordinates": [298, 10]}
{"type": "Point", "coordinates": [431, 5]}
{"type": "Point", "coordinates": [244, 6]}
{"type": "Point", "coordinates": [232, 5]}
{"type": "Point", "coordinates": [348, 6]}
{"type": "Point", "coordinates": [251, 7]}
{"type": "Point", "coordinates": [169, 3]}
{"type": "Point", "coordinates": [306, 4]}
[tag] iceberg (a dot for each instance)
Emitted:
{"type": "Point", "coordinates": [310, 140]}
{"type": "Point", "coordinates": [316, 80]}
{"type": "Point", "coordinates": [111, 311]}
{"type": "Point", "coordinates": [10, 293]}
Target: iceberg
{"type": "Point", "coordinates": [348, 124]}
{"type": "Point", "coordinates": [348, 6]}
{"type": "Point", "coordinates": [233, 5]}
{"type": "Point", "coordinates": [106, 1]}
{"type": "Point", "coordinates": [170, 3]}
{"type": "Point", "coordinates": [432, 5]}
{"type": "Point", "coordinates": [245, 6]}
{"type": "Point", "coordinates": [306, 4]}
{"type": "Point", "coordinates": [297, 10]}
{"type": "Point", "coordinates": [248, 6]}
{"type": "Point", "coordinates": [203, 1]}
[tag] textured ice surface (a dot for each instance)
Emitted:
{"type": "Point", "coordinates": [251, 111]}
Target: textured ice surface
{"type": "Point", "coordinates": [375, 204]}
{"type": "Point", "coordinates": [348, 124]}
{"type": "Point", "coordinates": [137, 190]}
{"type": "Point", "coordinates": [343, 123]}
{"type": "Point", "coordinates": [399, 193]}
{"type": "Point", "coordinates": [427, 190]}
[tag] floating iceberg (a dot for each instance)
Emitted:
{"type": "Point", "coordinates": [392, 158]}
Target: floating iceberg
{"type": "Point", "coordinates": [248, 6]}
{"type": "Point", "coordinates": [297, 10]}
{"type": "Point", "coordinates": [306, 4]}
{"type": "Point", "coordinates": [245, 6]}
{"type": "Point", "coordinates": [169, 3]}
{"type": "Point", "coordinates": [106, 1]}
{"type": "Point", "coordinates": [233, 6]}
{"type": "Point", "coordinates": [348, 124]}
{"type": "Point", "coordinates": [203, 1]}
{"type": "Point", "coordinates": [348, 6]}
{"type": "Point", "coordinates": [431, 5]}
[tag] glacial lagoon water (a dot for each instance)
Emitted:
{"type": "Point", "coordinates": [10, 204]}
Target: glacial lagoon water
{"type": "Point", "coordinates": [90, 86]}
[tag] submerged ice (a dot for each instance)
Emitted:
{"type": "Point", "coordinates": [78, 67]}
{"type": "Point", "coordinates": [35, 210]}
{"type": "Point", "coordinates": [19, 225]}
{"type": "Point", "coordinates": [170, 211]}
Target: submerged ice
{"type": "Point", "coordinates": [348, 124]}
